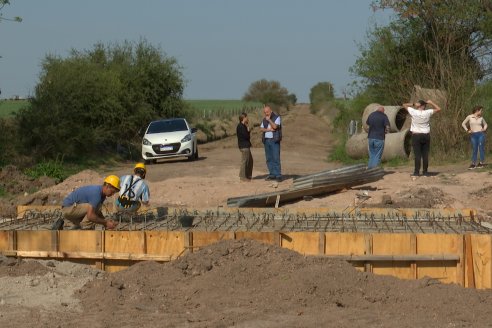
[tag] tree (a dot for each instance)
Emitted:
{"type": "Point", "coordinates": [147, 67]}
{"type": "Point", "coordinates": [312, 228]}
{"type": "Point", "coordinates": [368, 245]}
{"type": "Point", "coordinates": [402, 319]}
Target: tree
{"type": "Point", "coordinates": [442, 45]}
{"type": "Point", "coordinates": [98, 99]}
{"type": "Point", "coordinates": [321, 94]}
{"type": "Point", "coordinates": [3, 3]}
{"type": "Point", "coordinates": [269, 92]}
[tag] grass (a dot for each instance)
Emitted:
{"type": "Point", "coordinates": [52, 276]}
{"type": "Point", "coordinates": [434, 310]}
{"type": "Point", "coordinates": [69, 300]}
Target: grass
{"type": "Point", "coordinates": [8, 107]}
{"type": "Point", "coordinates": [207, 109]}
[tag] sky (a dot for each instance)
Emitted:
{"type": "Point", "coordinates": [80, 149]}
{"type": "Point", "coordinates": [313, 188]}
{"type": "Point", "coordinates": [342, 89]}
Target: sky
{"type": "Point", "coordinates": [222, 46]}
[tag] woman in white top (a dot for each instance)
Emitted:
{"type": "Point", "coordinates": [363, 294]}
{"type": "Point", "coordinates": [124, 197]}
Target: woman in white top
{"type": "Point", "coordinates": [420, 129]}
{"type": "Point", "coordinates": [476, 126]}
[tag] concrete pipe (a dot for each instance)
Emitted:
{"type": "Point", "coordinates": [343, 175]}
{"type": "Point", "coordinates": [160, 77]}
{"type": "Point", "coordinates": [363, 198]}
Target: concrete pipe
{"type": "Point", "coordinates": [397, 116]}
{"type": "Point", "coordinates": [397, 144]}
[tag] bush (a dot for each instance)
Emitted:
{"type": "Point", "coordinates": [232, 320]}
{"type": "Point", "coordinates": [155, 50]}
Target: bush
{"type": "Point", "coordinates": [88, 104]}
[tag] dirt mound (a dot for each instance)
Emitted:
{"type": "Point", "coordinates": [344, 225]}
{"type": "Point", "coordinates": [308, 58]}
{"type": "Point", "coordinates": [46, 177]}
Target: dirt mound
{"type": "Point", "coordinates": [13, 268]}
{"type": "Point", "coordinates": [249, 284]}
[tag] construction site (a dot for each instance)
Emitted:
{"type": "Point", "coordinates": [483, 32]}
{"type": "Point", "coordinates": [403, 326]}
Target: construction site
{"type": "Point", "coordinates": [330, 243]}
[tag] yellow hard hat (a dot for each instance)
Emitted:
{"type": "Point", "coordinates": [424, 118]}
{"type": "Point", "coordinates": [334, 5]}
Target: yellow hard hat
{"type": "Point", "coordinates": [140, 166]}
{"type": "Point", "coordinates": [113, 180]}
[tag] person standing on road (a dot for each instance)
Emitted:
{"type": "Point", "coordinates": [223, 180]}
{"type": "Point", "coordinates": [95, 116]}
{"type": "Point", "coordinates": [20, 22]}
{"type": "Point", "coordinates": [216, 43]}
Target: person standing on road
{"type": "Point", "coordinates": [271, 127]}
{"type": "Point", "coordinates": [83, 205]}
{"type": "Point", "coordinates": [476, 126]}
{"type": "Point", "coordinates": [244, 144]}
{"type": "Point", "coordinates": [379, 124]}
{"type": "Point", "coordinates": [420, 129]}
{"type": "Point", "coordinates": [134, 190]}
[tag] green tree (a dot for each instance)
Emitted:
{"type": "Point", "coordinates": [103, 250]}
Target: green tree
{"type": "Point", "coordinates": [442, 45]}
{"type": "Point", "coordinates": [94, 100]}
{"type": "Point", "coordinates": [271, 92]}
{"type": "Point", "coordinates": [321, 94]}
{"type": "Point", "coordinates": [3, 3]}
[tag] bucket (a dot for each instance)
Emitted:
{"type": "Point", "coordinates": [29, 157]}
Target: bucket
{"type": "Point", "coordinates": [186, 221]}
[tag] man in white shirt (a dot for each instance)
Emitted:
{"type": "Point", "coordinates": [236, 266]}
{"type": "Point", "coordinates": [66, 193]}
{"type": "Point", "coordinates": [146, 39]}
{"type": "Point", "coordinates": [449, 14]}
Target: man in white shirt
{"type": "Point", "coordinates": [420, 129]}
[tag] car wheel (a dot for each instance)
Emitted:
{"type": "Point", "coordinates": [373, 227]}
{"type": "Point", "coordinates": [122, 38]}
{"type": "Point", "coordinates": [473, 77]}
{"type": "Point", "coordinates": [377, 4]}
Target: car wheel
{"type": "Point", "coordinates": [154, 161]}
{"type": "Point", "coordinates": [147, 162]}
{"type": "Point", "coordinates": [193, 155]}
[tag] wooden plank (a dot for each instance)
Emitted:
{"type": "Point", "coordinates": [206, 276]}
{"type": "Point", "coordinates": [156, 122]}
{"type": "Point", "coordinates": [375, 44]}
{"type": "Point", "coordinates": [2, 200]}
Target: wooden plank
{"type": "Point", "coordinates": [460, 266]}
{"type": "Point", "coordinates": [470, 276]}
{"type": "Point", "coordinates": [202, 238]}
{"type": "Point", "coordinates": [445, 271]}
{"type": "Point", "coordinates": [398, 258]}
{"type": "Point", "coordinates": [482, 267]}
{"type": "Point", "coordinates": [392, 244]}
{"type": "Point", "coordinates": [167, 243]}
{"type": "Point", "coordinates": [263, 237]}
{"type": "Point", "coordinates": [340, 243]}
{"type": "Point", "coordinates": [4, 240]}
{"type": "Point", "coordinates": [368, 251]}
{"type": "Point", "coordinates": [39, 240]}
{"type": "Point", "coordinates": [306, 243]}
{"type": "Point", "coordinates": [92, 256]}
{"type": "Point", "coordinates": [12, 240]}
{"type": "Point", "coordinates": [80, 241]}
{"type": "Point", "coordinates": [413, 248]}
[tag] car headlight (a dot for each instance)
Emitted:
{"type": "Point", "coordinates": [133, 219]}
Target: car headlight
{"type": "Point", "coordinates": [187, 138]}
{"type": "Point", "coordinates": [146, 142]}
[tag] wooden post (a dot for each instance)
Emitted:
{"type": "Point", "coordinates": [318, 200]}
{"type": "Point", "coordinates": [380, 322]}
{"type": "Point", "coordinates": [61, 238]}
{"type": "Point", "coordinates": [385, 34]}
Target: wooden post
{"type": "Point", "coordinates": [188, 242]}
{"type": "Point", "coordinates": [13, 240]}
{"type": "Point", "coordinates": [413, 246]}
{"type": "Point", "coordinates": [469, 261]}
{"type": "Point", "coordinates": [55, 241]}
{"type": "Point", "coordinates": [368, 251]}
{"type": "Point", "coordinates": [321, 244]}
{"type": "Point", "coordinates": [460, 265]}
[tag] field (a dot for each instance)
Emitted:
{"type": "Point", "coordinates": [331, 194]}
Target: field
{"type": "Point", "coordinates": [208, 109]}
{"type": "Point", "coordinates": [7, 107]}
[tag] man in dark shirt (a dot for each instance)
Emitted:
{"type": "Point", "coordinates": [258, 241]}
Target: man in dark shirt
{"type": "Point", "coordinates": [244, 144]}
{"type": "Point", "coordinates": [378, 127]}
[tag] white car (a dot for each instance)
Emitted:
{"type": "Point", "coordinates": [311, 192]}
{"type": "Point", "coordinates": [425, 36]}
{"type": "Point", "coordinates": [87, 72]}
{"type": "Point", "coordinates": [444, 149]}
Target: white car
{"type": "Point", "coordinates": [169, 138]}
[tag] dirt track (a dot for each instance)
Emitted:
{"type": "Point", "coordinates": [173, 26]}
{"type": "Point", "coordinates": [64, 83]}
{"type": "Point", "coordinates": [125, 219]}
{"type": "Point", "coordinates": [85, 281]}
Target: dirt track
{"type": "Point", "coordinates": [243, 283]}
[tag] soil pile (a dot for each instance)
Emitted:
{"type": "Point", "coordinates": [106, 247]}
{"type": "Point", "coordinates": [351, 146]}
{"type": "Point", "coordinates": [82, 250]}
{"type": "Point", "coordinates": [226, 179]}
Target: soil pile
{"type": "Point", "coordinates": [244, 283]}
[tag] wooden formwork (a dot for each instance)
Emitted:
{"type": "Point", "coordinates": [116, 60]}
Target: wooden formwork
{"type": "Point", "coordinates": [463, 259]}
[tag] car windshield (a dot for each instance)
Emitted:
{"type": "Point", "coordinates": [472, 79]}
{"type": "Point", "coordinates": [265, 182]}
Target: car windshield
{"type": "Point", "coordinates": [167, 126]}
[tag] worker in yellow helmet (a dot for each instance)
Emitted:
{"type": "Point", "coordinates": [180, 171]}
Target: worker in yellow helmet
{"type": "Point", "coordinates": [134, 190]}
{"type": "Point", "coordinates": [85, 203]}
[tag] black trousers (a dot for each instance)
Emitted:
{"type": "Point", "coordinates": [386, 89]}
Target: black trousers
{"type": "Point", "coordinates": [421, 147]}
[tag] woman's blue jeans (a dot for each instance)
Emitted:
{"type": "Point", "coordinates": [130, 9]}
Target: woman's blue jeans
{"type": "Point", "coordinates": [478, 145]}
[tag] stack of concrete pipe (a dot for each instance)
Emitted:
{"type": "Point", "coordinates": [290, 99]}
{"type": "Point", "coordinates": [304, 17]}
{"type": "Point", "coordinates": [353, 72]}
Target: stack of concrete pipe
{"type": "Point", "coordinates": [397, 142]}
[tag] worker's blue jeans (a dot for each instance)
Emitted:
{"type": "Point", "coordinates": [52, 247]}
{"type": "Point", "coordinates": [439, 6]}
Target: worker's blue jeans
{"type": "Point", "coordinates": [272, 155]}
{"type": "Point", "coordinates": [376, 148]}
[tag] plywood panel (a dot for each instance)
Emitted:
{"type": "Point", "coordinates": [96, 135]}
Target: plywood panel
{"type": "Point", "coordinates": [393, 244]}
{"type": "Point", "coordinates": [202, 238]}
{"type": "Point", "coordinates": [482, 266]}
{"type": "Point", "coordinates": [124, 242]}
{"type": "Point", "coordinates": [340, 243]}
{"type": "Point", "coordinates": [4, 241]}
{"type": "Point", "coordinates": [264, 237]}
{"type": "Point", "coordinates": [117, 265]}
{"type": "Point", "coordinates": [34, 240]}
{"type": "Point", "coordinates": [80, 241]}
{"type": "Point", "coordinates": [165, 243]}
{"type": "Point", "coordinates": [306, 243]}
{"type": "Point", "coordinates": [445, 271]}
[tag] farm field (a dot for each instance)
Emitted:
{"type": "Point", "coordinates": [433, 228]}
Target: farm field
{"type": "Point", "coordinates": [221, 108]}
{"type": "Point", "coordinates": [8, 107]}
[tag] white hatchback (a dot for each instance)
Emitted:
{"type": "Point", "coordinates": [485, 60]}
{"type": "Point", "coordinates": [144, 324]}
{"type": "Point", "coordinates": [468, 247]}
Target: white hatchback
{"type": "Point", "coordinates": [169, 138]}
